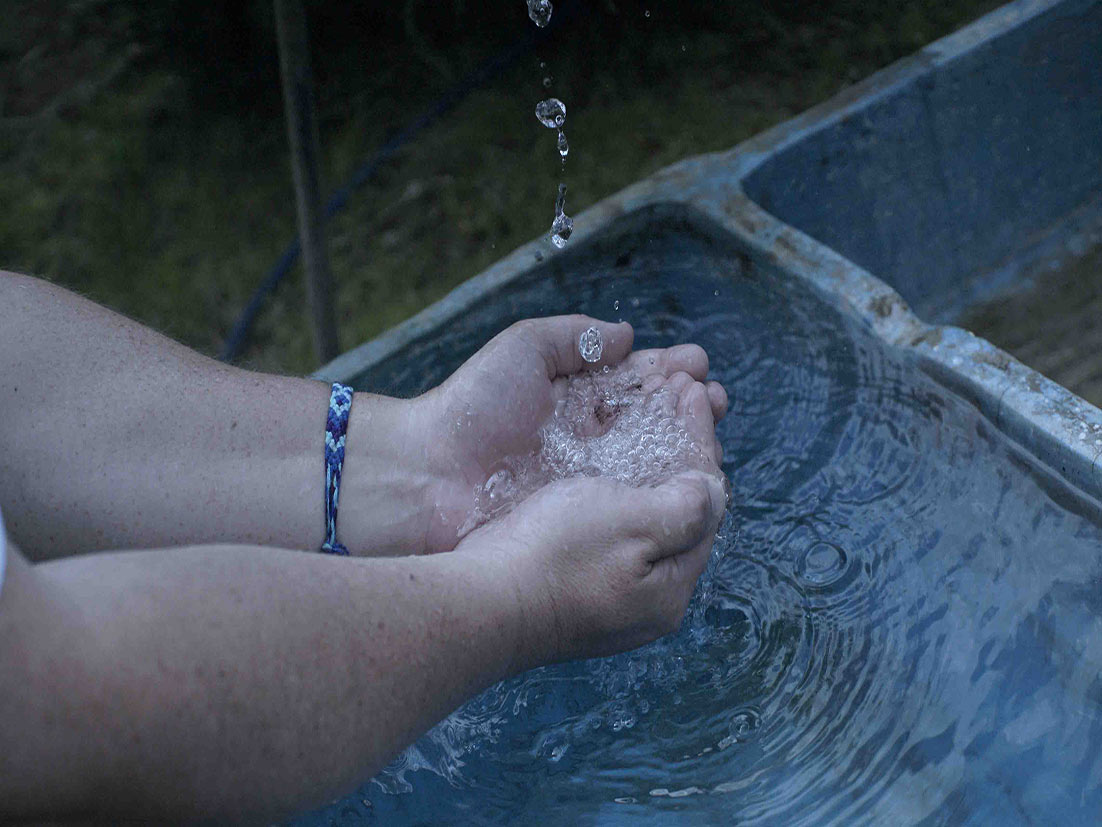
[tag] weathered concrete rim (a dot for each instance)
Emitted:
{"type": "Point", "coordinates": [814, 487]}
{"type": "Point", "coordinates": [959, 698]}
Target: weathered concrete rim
{"type": "Point", "coordinates": [1060, 429]}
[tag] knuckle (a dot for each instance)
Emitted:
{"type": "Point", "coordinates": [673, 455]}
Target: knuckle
{"type": "Point", "coordinates": [697, 504]}
{"type": "Point", "coordinates": [525, 327]}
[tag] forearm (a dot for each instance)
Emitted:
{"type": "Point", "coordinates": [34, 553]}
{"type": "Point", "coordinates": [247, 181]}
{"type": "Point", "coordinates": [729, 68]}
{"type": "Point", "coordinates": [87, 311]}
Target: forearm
{"type": "Point", "coordinates": [114, 436]}
{"type": "Point", "coordinates": [236, 682]}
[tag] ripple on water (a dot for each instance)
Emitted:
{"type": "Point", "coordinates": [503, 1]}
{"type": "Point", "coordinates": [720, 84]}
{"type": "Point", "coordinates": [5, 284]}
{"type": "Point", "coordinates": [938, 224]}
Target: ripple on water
{"type": "Point", "coordinates": [899, 620]}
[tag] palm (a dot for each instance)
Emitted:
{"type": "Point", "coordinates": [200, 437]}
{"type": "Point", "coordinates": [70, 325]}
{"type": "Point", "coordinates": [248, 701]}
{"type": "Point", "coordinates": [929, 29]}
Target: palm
{"type": "Point", "coordinates": [494, 405]}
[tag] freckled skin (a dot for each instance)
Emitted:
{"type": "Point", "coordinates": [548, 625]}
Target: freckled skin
{"type": "Point", "coordinates": [214, 671]}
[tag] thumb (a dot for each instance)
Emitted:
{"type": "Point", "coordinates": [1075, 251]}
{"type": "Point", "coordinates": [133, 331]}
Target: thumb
{"type": "Point", "coordinates": [681, 512]}
{"type": "Point", "coordinates": [557, 339]}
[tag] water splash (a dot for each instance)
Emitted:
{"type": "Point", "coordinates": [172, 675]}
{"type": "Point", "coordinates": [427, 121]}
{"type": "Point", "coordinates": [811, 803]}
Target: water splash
{"type": "Point", "coordinates": [606, 425]}
{"type": "Point", "coordinates": [540, 12]}
{"type": "Point", "coordinates": [563, 225]}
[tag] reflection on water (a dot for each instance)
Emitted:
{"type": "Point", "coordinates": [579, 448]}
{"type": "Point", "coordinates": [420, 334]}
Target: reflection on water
{"type": "Point", "coordinates": [901, 622]}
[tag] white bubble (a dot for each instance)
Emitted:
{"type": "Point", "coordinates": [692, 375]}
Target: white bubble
{"type": "Point", "coordinates": [605, 425]}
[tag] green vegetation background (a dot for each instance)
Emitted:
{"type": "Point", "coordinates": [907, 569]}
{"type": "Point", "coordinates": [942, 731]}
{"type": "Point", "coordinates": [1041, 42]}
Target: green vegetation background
{"type": "Point", "coordinates": [143, 158]}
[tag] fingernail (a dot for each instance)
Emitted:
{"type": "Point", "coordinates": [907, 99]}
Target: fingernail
{"type": "Point", "coordinates": [718, 494]}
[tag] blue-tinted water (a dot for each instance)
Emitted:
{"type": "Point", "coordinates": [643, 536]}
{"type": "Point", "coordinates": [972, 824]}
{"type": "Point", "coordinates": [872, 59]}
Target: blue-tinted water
{"type": "Point", "coordinates": [902, 621]}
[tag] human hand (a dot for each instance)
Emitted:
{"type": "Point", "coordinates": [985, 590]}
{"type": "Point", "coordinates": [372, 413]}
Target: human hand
{"type": "Point", "coordinates": [494, 405]}
{"type": "Point", "coordinates": [599, 567]}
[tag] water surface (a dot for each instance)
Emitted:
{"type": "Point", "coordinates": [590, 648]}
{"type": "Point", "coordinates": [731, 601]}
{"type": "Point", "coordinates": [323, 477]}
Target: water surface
{"type": "Point", "coordinates": [901, 622]}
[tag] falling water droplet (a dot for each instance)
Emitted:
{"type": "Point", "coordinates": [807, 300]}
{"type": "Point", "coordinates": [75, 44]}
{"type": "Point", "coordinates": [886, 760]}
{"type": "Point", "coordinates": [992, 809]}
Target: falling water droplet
{"type": "Point", "coordinates": [590, 344]}
{"type": "Point", "coordinates": [563, 225]}
{"type": "Point", "coordinates": [616, 305]}
{"type": "Point", "coordinates": [564, 146]}
{"type": "Point", "coordinates": [551, 113]}
{"type": "Point", "coordinates": [547, 82]}
{"type": "Point", "coordinates": [540, 12]}
{"type": "Point", "coordinates": [646, 13]}
{"type": "Point", "coordinates": [561, 230]}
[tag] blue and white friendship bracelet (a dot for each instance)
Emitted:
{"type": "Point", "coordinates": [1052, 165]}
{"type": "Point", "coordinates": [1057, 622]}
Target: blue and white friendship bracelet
{"type": "Point", "coordinates": [336, 427]}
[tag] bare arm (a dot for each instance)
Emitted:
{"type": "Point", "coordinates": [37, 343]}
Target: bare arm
{"type": "Point", "coordinates": [113, 436]}
{"type": "Point", "coordinates": [236, 682]}
{"type": "Point", "coordinates": [231, 682]}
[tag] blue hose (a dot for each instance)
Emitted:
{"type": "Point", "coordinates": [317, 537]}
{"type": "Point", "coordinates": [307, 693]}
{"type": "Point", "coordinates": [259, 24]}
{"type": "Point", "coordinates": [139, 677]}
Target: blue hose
{"type": "Point", "coordinates": [235, 342]}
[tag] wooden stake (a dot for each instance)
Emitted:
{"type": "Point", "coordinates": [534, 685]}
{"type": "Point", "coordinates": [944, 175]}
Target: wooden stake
{"type": "Point", "coordinates": [302, 132]}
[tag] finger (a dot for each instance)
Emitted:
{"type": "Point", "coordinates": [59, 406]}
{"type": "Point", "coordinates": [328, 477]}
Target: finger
{"type": "Point", "coordinates": [682, 571]}
{"type": "Point", "coordinates": [695, 410]}
{"type": "Point", "coordinates": [690, 359]}
{"type": "Point", "coordinates": [556, 339]}
{"type": "Point", "coordinates": [680, 383]}
{"type": "Point", "coordinates": [680, 513]}
{"type": "Point", "coordinates": [717, 397]}
{"type": "Point", "coordinates": [673, 581]}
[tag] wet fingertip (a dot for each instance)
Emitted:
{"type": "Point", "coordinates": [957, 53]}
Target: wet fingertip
{"type": "Point", "coordinates": [621, 337]}
{"type": "Point", "coordinates": [717, 397]}
{"type": "Point", "coordinates": [695, 359]}
{"type": "Point", "coordinates": [719, 492]}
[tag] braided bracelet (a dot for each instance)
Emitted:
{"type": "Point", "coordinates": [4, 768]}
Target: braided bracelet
{"type": "Point", "coordinates": [336, 427]}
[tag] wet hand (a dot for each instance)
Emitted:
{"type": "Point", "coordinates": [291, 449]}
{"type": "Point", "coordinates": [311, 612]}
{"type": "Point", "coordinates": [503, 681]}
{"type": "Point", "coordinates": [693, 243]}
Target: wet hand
{"type": "Point", "coordinates": [496, 403]}
{"type": "Point", "coordinates": [599, 567]}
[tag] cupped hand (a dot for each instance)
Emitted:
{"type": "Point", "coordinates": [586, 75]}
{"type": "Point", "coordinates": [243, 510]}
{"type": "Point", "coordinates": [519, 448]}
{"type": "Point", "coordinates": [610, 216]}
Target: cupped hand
{"type": "Point", "coordinates": [494, 405]}
{"type": "Point", "coordinates": [599, 567]}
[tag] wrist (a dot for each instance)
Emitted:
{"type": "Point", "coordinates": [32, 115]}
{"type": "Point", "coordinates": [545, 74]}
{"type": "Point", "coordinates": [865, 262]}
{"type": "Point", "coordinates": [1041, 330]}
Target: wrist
{"type": "Point", "coordinates": [485, 593]}
{"type": "Point", "coordinates": [387, 480]}
{"type": "Point", "coordinates": [522, 593]}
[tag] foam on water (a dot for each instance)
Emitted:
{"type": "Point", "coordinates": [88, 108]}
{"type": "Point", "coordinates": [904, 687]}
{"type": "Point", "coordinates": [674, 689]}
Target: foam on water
{"type": "Point", "coordinates": [605, 425]}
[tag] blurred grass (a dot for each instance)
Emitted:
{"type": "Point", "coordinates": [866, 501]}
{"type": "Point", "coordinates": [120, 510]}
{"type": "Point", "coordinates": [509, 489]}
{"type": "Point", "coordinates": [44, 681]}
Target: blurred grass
{"type": "Point", "coordinates": [149, 171]}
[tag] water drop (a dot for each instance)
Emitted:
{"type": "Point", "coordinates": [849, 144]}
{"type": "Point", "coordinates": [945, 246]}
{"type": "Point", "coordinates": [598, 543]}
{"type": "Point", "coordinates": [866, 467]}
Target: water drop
{"type": "Point", "coordinates": [551, 113]}
{"type": "Point", "coordinates": [547, 83]}
{"type": "Point", "coordinates": [563, 225]}
{"type": "Point", "coordinates": [561, 229]}
{"type": "Point", "coordinates": [616, 305]}
{"type": "Point", "coordinates": [741, 727]}
{"type": "Point", "coordinates": [540, 12]}
{"type": "Point", "coordinates": [564, 147]}
{"type": "Point", "coordinates": [646, 13]}
{"type": "Point", "coordinates": [590, 344]}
